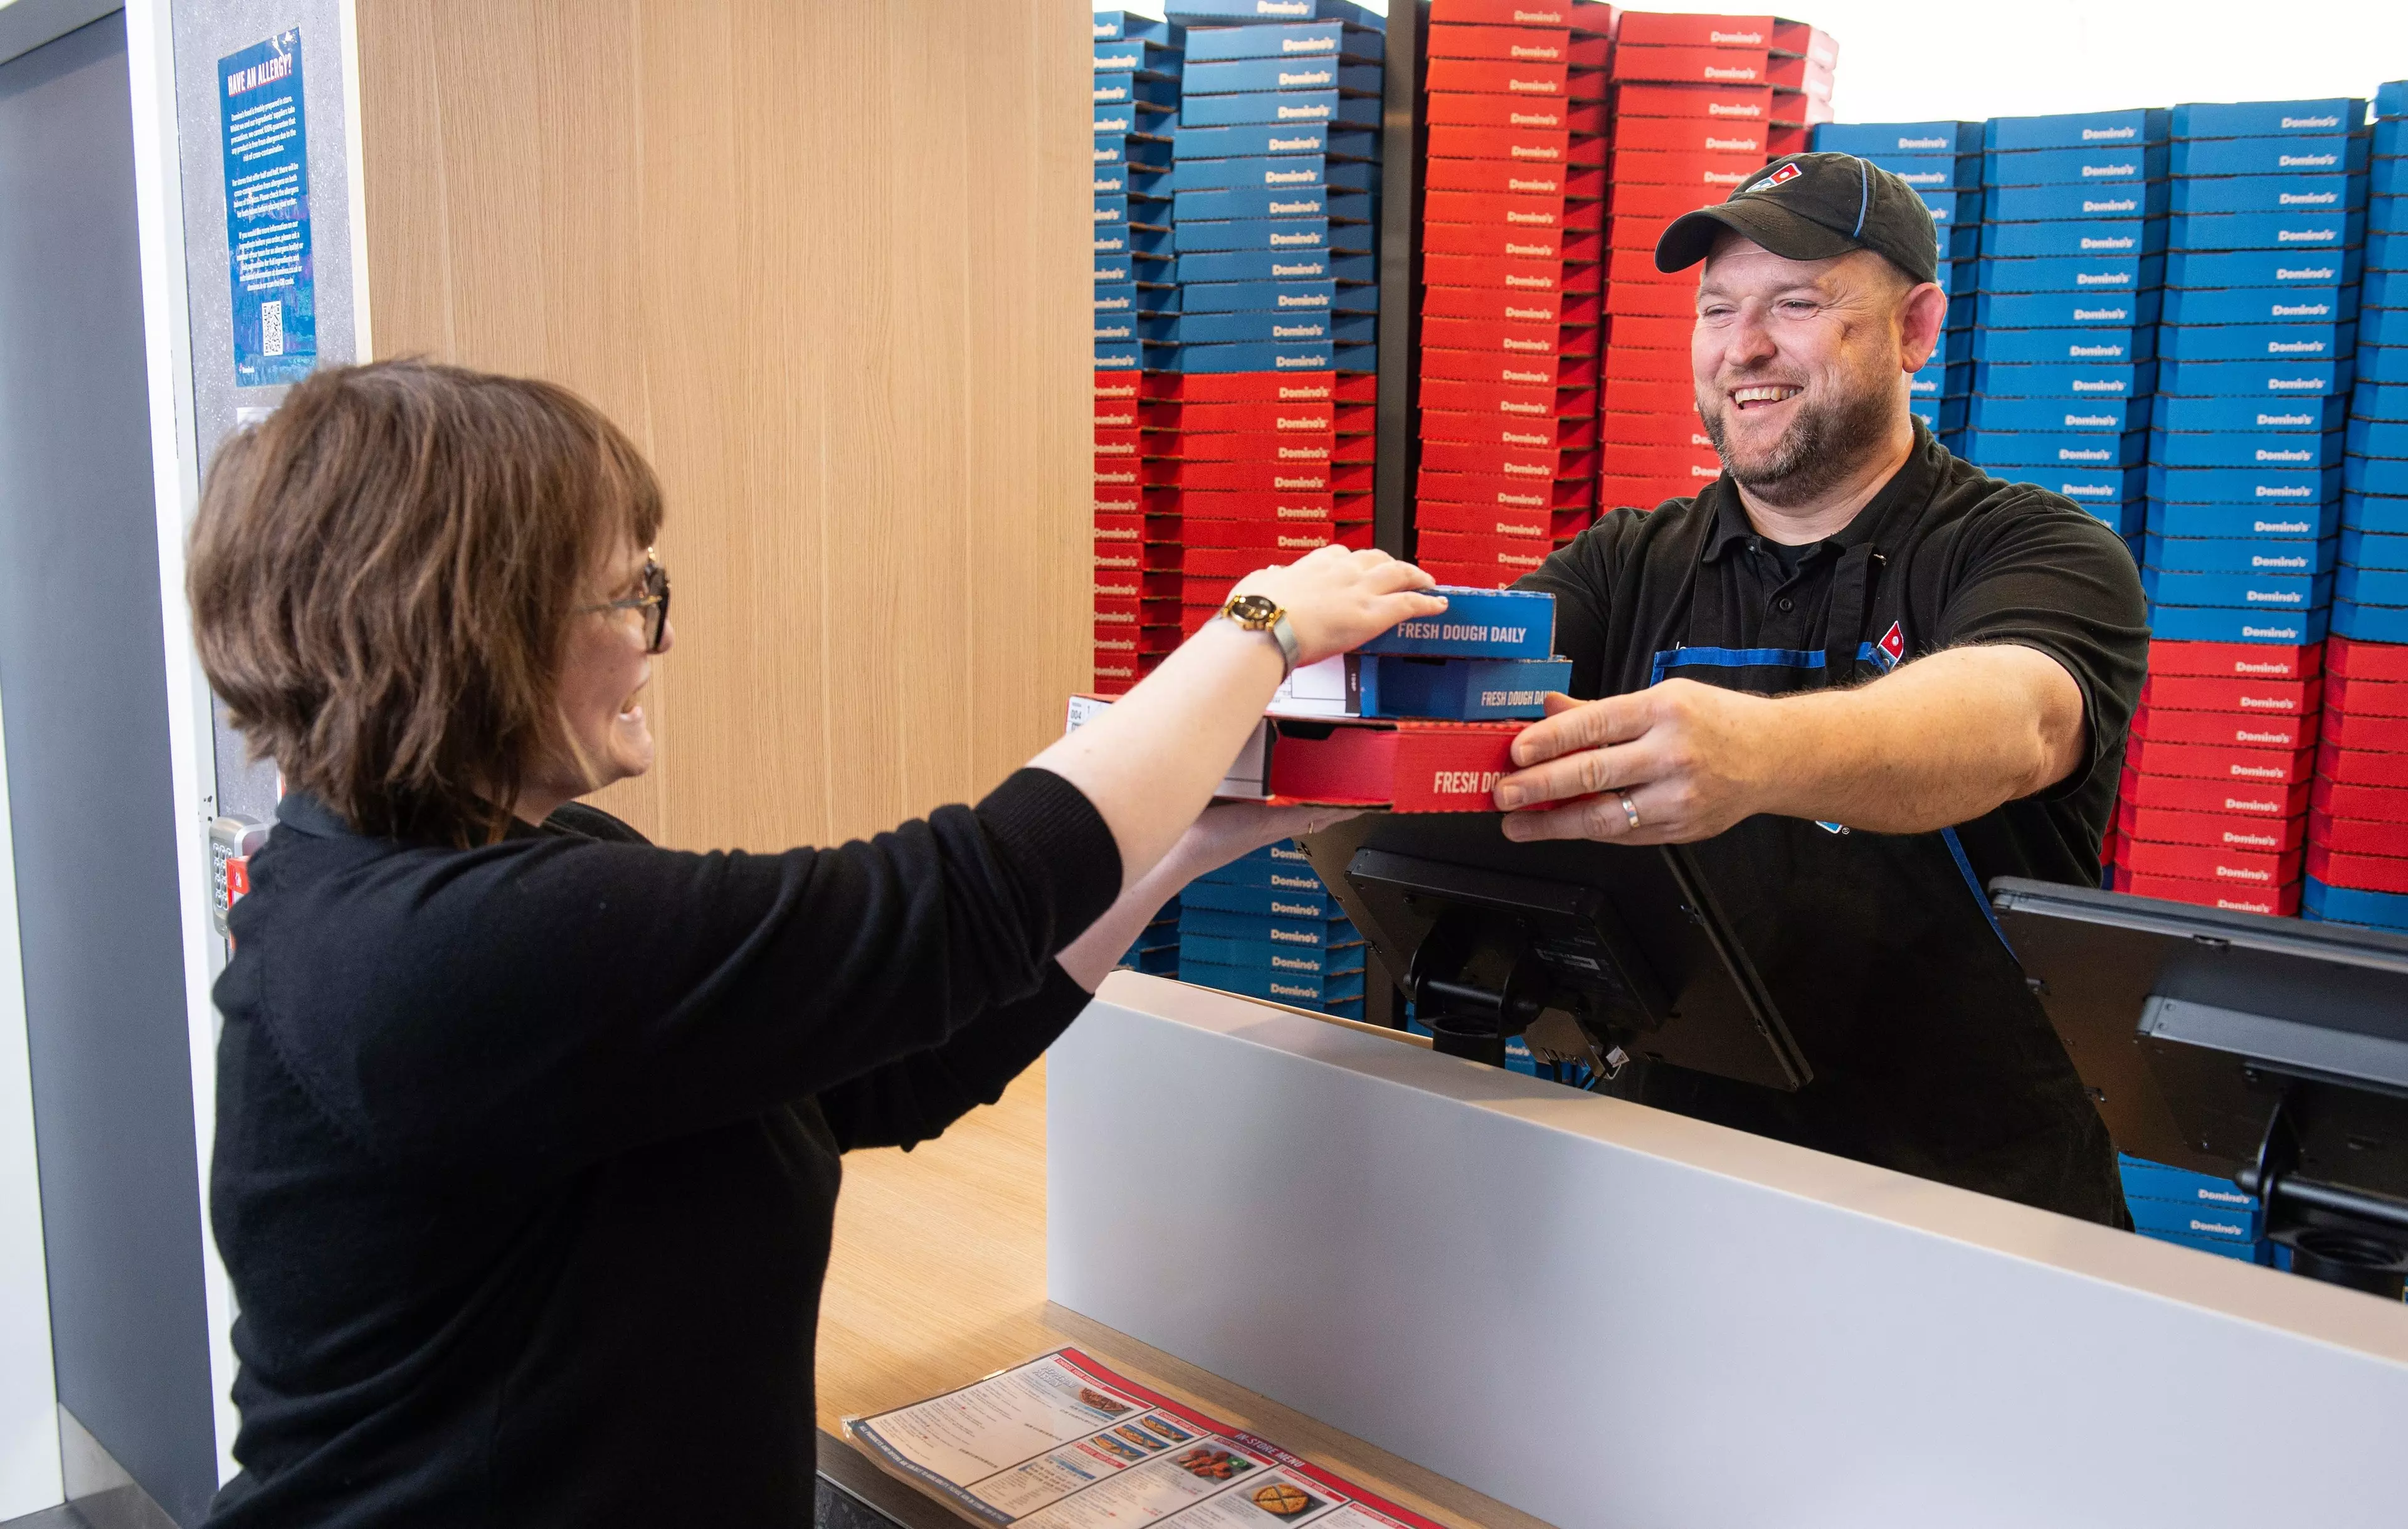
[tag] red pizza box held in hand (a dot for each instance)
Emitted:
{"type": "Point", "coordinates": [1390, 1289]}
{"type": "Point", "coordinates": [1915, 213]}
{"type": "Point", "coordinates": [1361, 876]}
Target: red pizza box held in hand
{"type": "Point", "coordinates": [1532, 526]}
{"type": "Point", "coordinates": [2359, 872]}
{"type": "Point", "coordinates": [1590, 19]}
{"type": "Point", "coordinates": [2257, 766]}
{"type": "Point", "coordinates": [1517, 110]}
{"type": "Point", "coordinates": [2357, 836]}
{"type": "Point", "coordinates": [2387, 662]}
{"type": "Point", "coordinates": [1712, 177]}
{"type": "Point", "coordinates": [2369, 803]}
{"type": "Point", "coordinates": [2280, 901]}
{"type": "Point", "coordinates": [2223, 830]}
{"type": "Point", "coordinates": [2225, 727]}
{"type": "Point", "coordinates": [1693, 136]}
{"type": "Point", "coordinates": [2366, 698]}
{"type": "Point", "coordinates": [2251, 698]}
{"type": "Point", "coordinates": [1720, 103]}
{"type": "Point", "coordinates": [2199, 794]}
{"type": "Point", "coordinates": [2208, 862]}
{"type": "Point", "coordinates": [2366, 730]}
{"type": "Point", "coordinates": [2357, 767]}
{"type": "Point", "coordinates": [1409, 767]}
{"type": "Point", "coordinates": [2236, 660]}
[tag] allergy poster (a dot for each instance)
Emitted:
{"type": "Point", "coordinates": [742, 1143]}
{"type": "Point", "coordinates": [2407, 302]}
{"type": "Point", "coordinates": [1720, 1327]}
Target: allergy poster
{"type": "Point", "coordinates": [1064, 1443]}
{"type": "Point", "coordinates": [266, 151]}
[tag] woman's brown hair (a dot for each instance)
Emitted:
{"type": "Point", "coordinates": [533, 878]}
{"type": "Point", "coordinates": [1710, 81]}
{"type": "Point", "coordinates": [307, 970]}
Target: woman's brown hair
{"type": "Point", "coordinates": [382, 575]}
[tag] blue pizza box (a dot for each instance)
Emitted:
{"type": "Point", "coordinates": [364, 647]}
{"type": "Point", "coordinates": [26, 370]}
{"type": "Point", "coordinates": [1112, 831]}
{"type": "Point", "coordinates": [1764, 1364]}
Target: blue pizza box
{"type": "Point", "coordinates": [2385, 252]}
{"type": "Point", "coordinates": [2382, 475]}
{"type": "Point", "coordinates": [2077, 130]}
{"type": "Point", "coordinates": [1119, 297]}
{"type": "Point", "coordinates": [1255, 76]}
{"type": "Point", "coordinates": [2260, 119]}
{"type": "Point", "coordinates": [2265, 230]}
{"type": "Point", "coordinates": [2076, 202]}
{"type": "Point", "coordinates": [1275, 172]}
{"type": "Point", "coordinates": [2064, 310]}
{"type": "Point", "coordinates": [2389, 138]}
{"type": "Point", "coordinates": [2349, 905]}
{"type": "Point", "coordinates": [2378, 513]}
{"type": "Point", "coordinates": [2220, 1223]}
{"type": "Point", "coordinates": [2261, 269]}
{"type": "Point", "coordinates": [1138, 56]}
{"type": "Point", "coordinates": [1257, 328]}
{"type": "Point", "coordinates": [1142, 118]}
{"type": "Point", "coordinates": [1928, 411]}
{"type": "Point", "coordinates": [2105, 273]}
{"type": "Point", "coordinates": [2102, 165]}
{"type": "Point", "coordinates": [2113, 416]}
{"type": "Point", "coordinates": [2305, 451]}
{"type": "Point", "coordinates": [1460, 690]}
{"type": "Point", "coordinates": [2230, 623]}
{"type": "Point", "coordinates": [2379, 400]}
{"type": "Point", "coordinates": [2384, 328]}
{"type": "Point", "coordinates": [1262, 955]}
{"type": "Point", "coordinates": [1872, 138]}
{"type": "Point", "coordinates": [2312, 522]}
{"type": "Point", "coordinates": [2148, 1180]}
{"type": "Point", "coordinates": [2283, 342]}
{"type": "Point", "coordinates": [2079, 346]}
{"type": "Point", "coordinates": [2369, 623]}
{"type": "Point", "coordinates": [1932, 172]}
{"type": "Point", "coordinates": [2259, 305]}
{"type": "Point", "coordinates": [1952, 209]}
{"type": "Point", "coordinates": [1304, 40]}
{"type": "Point", "coordinates": [2055, 449]}
{"type": "Point", "coordinates": [1145, 329]}
{"type": "Point", "coordinates": [2240, 554]}
{"type": "Point", "coordinates": [2384, 289]}
{"type": "Point", "coordinates": [1298, 988]}
{"type": "Point", "coordinates": [1956, 346]}
{"type": "Point", "coordinates": [1280, 107]}
{"type": "Point", "coordinates": [2388, 177]}
{"type": "Point", "coordinates": [1142, 267]}
{"type": "Point", "coordinates": [1278, 266]}
{"type": "Point", "coordinates": [1112, 25]}
{"type": "Point", "coordinates": [1279, 297]}
{"type": "Point", "coordinates": [2387, 211]}
{"type": "Point", "coordinates": [1312, 903]}
{"type": "Point", "coordinates": [1293, 355]}
{"type": "Point", "coordinates": [1257, 203]}
{"type": "Point", "coordinates": [1119, 357]}
{"type": "Point", "coordinates": [1159, 962]}
{"type": "Point", "coordinates": [2391, 99]}
{"type": "Point", "coordinates": [1121, 90]}
{"type": "Point", "coordinates": [2309, 155]}
{"type": "Point", "coordinates": [2274, 193]}
{"type": "Point", "coordinates": [1227, 12]}
{"type": "Point", "coordinates": [2242, 486]}
{"type": "Point", "coordinates": [2371, 586]}
{"type": "Point", "coordinates": [1132, 151]}
{"type": "Point", "coordinates": [2080, 240]}
{"type": "Point", "coordinates": [2105, 488]}
{"type": "Point", "coordinates": [2020, 381]}
{"type": "Point", "coordinates": [1263, 140]}
{"type": "Point", "coordinates": [2373, 549]}
{"type": "Point", "coordinates": [1277, 234]}
{"type": "Point", "coordinates": [2260, 379]}
{"type": "Point", "coordinates": [2378, 437]}
{"type": "Point", "coordinates": [1317, 931]}
{"type": "Point", "coordinates": [2385, 364]}
{"type": "Point", "coordinates": [2311, 416]}
{"type": "Point", "coordinates": [1142, 185]}
{"type": "Point", "coordinates": [1476, 624]}
{"type": "Point", "coordinates": [1111, 238]}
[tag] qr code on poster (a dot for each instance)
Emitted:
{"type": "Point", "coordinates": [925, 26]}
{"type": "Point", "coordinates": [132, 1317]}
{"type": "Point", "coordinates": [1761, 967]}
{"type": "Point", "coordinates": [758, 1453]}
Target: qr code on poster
{"type": "Point", "coordinates": [271, 327]}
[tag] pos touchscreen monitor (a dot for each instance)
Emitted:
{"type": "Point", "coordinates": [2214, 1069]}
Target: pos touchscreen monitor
{"type": "Point", "coordinates": [1615, 953]}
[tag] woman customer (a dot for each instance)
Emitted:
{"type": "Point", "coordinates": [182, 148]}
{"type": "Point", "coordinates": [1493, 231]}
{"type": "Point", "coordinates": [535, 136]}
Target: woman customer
{"type": "Point", "coordinates": [528, 1132]}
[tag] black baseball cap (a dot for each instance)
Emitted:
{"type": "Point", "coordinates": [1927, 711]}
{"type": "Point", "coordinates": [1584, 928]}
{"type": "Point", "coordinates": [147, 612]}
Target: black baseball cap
{"type": "Point", "coordinates": [1813, 206]}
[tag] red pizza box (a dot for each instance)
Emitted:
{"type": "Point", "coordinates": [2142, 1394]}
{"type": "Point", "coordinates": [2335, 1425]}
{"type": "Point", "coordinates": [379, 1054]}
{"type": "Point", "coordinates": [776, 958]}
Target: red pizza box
{"type": "Point", "coordinates": [1267, 388]}
{"type": "Point", "coordinates": [1310, 414]}
{"type": "Point", "coordinates": [1510, 555]}
{"type": "Point", "coordinates": [2357, 836]}
{"type": "Point", "coordinates": [1506, 431]}
{"type": "Point", "coordinates": [1678, 461]}
{"type": "Point", "coordinates": [1639, 233]}
{"type": "Point", "coordinates": [1256, 539]}
{"type": "Point", "coordinates": [1531, 403]}
{"type": "Point", "coordinates": [2253, 698]}
{"type": "Point", "coordinates": [2199, 794]}
{"type": "Point", "coordinates": [1594, 19]}
{"type": "Point", "coordinates": [1713, 103]}
{"type": "Point", "coordinates": [2225, 728]}
{"type": "Point", "coordinates": [1693, 136]}
{"type": "Point", "coordinates": [2280, 902]}
{"type": "Point", "coordinates": [1246, 476]}
{"type": "Point", "coordinates": [2359, 872]}
{"type": "Point", "coordinates": [2366, 730]}
{"type": "Point", "coordinates": [1115, 442]}
{"type": "Point", "coordinates": [1557, 147]}
{"type": "Point", "coordinates": [2209, 863]}
{"type": "Point", "coordinates": [1630, 362]}
{"type": "Point", "coordinates": [1516, 340]}
{"type": "Point", "coordinates": [1656, 205]}
{"type": "Point", "coordinates": [1651, 300]}
{"type": "Point", "coordinates": [1491, 366]}
{"type": "Point", "coordinates": [2362, 767]}
{"type": "Point", "coordinates": [1356, 535]}
{"type": "Point", "coordinates": [1490, 488]}
{"type": "Point", "coordinates": [1116, 412]}
{"type": "Point", "coordinates": [1498, 178]}
{"type": "Point", "coordinates": [1236, 505]}
{"type": "Point", "coordinates": [2236, 660]}
{"type": "Point", "coordinates": [1193, 618]}
{"type": "Point", "coordinates": [1118, 471]}
{"type": "Point", "coordinates": [1650, 395]}
{"type": "Point", "coordinates": [1118, 611]}
{"type": "Point", "coordinates": [1711, 176]}
{"type": "Point", "coordinates": [1115, 526]}
{"type": "Point", "coordinates": [1637, 491]}
{"type": "Point", "coordinates": [1796, 109]}
{"type": "Point", "coordinates": [1505, 461]}
{"type": "Point", "coordinates": [1786, 138]}
{"type": "Point", "coordinates": [1622, 432]}
{"type": "Point", "coordinates": [2385, 662]}
{"type": "Point", "coordinates": [1687, 65]}
{"type": "Point", "coordinates": [1500, 77]}
{"type": "Point", "coordinates": [1357, 449]}
{"type": "Point", "coordinates": [2257, 766]}
{"type": "Point", "coordinates": [1260, 446]}
{"type": "Point", "coordinates": [1495, 240]}
{"type": "Point", "coordinates": [1478, 520]}
{"type": "Point", "coordinates": [1638, 266]}
{"type": "Point", "coordinates": [1645, 333]}
{"type": "Point", "coordinates": [1210, 588]}
{"type": "Point", "coordinates": [1465, 575]}
{"type": "Point", "coordinates": [1488, 109]}
{"type": "Point", "coordinates": [1407, 767]}
{"type": "Point", "coordinates": [1544, 211]}
{"type": "Point", "coordinates": [1138, 584]}
{"type": "Point", "coordinates": [1666, 29]}
{"type": "Point", "coordinates": [1118, 385]}
{"type": "Point", "coordinates": [1530, 43]}
{"type": "Point", "coordinates": [1495, 304]}
{"type": "Point", "coordinates": [2366, 698]}
{"type": "Point", "coordinates": [2369, 804]}
{"type": "Point", "coordinates": [1803, 75]}
{"type": "Point", "coordinates": [2223, 830]}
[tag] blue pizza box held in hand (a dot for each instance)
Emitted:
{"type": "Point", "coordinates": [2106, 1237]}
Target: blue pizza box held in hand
{"type": "Point", "coordinates": [1476, 624]}
{"type": "Point", "coordinates": [1459, 689]}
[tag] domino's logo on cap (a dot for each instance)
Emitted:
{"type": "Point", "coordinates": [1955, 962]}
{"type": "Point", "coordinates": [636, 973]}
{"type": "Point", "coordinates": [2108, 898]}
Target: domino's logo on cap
{"type": "Point", "coordinates": [1814, 207]}
{"type": "Point", "coordinates": [1787, 172]}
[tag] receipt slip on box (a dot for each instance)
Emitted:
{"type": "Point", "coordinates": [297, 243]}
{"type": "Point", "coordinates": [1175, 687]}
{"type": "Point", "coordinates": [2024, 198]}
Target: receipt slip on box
{"type": "Point", "coordinates": [2280, 901]}
{"type": "Point", "coordinates": [1301, 39]}
{"type": "Point", "coordinates": [1499, 178]}
{"type": "Point", "coordinates": [2360, 836]}
{"type": "Point", "coordinates": [2089, 167]}
{"type": "Point", "coordinates": [1575, 15]}
{"type": "Point", "coordinates": [2072, 273]}
{"type": "Point", "coordinates": [1281, 108]}
{"type": "Point", "coordinates": [2077, 239]}
{"type": "Point", "coordinates": [1691, 135]}
{"type": "Point", "coordinates": [2213, 830]}
{"type": "Point", "coordinates": [2363, 873]}
{"type": "Point", "coordinates": [2262, 194]}
{"type": "Point", "coordinates": [2080, 202]}
{"type": "Point", "coordinates": [1513, 275]}
{"type": "Point", "coordinates": [1544, 433]}
{"type": "Point", "coordinates": [1500, 559]}
{"type": "Point", "coordinates": [2297, 269]}
{"type": "Point", "coordinates": [2293, 450]}
{"type": "Point", "coordinates": [2262, 119]}
{"type": "Point", "coordinates": [1509, 492]}
{"type": "Point", "coordinates": [2265, 230]}
{"type": "Point", "coordinates": [1721, 172]}
{"type": "Point", "coordinates": [2276, 802]}
{"type": "Point", "coordinates": [2323, 153]}
{"type": "Point", "coordinates": [1519, 45]}
{"type": "Point", "coordinates": [1273, 172]}
{"type": "Point", "coordinates": [2238, 554]}
{"type": "Point", "coordinates": [2242, 730]}
{"type": "Point", "coordinates": [1499, 306]}
{"type": "Point", "coordinates": [1458, 689]}
{"type": "Point", "coordinates": [1263, 956]}
{"type": "Point", "coordinates": [2258, 305]}
{"type": "Point", "coordinates": [1936, 137]}
{"type": "Point", "coordinates": [1257, 76]}
{"type": "Point", "coordinates": [2312, 523]}
{"type": "Point", "coordinates": [1496, 109]}
{"type": "Point", "coordinates": [1517, 146]}
{"type": "Point", "coordinates": [1995, 448]}
{"type": "Point", "coordinates": [2211, 863]}
{"type": "Point", "coordinates": [1536, 465]}
{"type": "Point", "coordinates": [2241, 661]}
{"type": "Point", "coordinates": [1491, 240]}
{"type": "Point", "coordinates": [1446, 395]}
{"type": "Point", "coordinates": [2222, 763]}
{"type": "Point", "coordinates": [1535, 525]}
{"type": "Point", "coordinates": [2198, 415]}
{"type": "Point", "coordinates": [1310, 932]}
{"type": "Point", "coordinates": [1497, 77]}
{"type": "Point", "coordinates": [2194, 1222]}
{"type": "Point", "coordinates": [2077, 130]}
{"type": "Point", "coordinates": [1264, 140]}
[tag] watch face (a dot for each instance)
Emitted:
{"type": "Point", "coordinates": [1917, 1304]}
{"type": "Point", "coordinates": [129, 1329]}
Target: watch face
{"type": "Point", "coordinates": [1250, 609]}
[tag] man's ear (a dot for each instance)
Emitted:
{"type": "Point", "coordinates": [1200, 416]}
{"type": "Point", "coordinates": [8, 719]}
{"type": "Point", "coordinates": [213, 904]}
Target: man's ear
{"type": "Point", "coordinates": [1921, 315]}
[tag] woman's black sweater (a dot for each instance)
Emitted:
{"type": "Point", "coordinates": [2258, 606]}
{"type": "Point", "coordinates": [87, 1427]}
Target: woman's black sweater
{"type": "Point", "coordinates": [527, 1155]}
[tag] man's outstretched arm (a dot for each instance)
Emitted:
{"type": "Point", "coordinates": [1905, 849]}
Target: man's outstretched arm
{"type": "Point", "coordinates": [1938, 741]}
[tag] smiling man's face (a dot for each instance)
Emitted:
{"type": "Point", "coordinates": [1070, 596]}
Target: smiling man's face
{"type": "Point", "coordinates": [1801, 365]}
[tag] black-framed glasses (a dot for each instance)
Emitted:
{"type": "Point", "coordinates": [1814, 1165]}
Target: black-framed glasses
{"type": "Point", "coordinates": [654, 603]}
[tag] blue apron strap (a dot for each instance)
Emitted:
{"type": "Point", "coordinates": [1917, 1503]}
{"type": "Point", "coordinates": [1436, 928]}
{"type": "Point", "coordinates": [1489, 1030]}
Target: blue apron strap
{"type": "Point", "coordinates": [1974, 884]}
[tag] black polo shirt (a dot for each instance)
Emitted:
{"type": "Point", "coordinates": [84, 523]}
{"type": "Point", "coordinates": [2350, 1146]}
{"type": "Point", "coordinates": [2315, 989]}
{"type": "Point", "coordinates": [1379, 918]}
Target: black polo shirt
{"type": "Point", "coordinates": [1980, 561]}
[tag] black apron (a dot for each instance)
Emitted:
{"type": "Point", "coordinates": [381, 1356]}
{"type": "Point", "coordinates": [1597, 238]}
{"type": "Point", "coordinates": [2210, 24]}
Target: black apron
{"type": "Point", "coordinates": [1930, 1053]}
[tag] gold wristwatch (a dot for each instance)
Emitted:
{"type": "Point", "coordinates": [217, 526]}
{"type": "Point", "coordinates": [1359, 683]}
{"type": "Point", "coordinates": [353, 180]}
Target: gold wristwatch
{"type": "Point", "coordinates": [1259, 614]}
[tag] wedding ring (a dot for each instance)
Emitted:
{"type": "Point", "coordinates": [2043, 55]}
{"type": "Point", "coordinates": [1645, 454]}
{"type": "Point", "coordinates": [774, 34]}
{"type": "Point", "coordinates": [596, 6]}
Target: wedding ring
{"type": "Point", "coordinates": [1631, 812]}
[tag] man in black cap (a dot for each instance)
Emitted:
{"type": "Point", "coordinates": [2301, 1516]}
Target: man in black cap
{"type": "Point", "coordinates": [1863, 679]}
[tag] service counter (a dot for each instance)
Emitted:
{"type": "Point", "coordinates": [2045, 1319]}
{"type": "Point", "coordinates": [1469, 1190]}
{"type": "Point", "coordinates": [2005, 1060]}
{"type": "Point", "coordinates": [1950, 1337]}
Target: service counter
{"type": "Point", "coordinates": [1470, 1290]}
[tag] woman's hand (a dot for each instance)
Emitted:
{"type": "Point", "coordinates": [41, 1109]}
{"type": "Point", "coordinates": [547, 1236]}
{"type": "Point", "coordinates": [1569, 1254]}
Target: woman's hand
{"type": "Point", "coordinates": [1338, 599]}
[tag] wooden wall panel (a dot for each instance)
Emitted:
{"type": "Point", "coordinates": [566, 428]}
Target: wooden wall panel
{"type": "Point", "coordinates": [828, 263]}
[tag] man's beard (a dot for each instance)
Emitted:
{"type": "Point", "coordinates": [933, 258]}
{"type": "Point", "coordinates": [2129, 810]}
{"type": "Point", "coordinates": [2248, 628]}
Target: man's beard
{"type": "Point", "coordinates": [1823, 445]}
